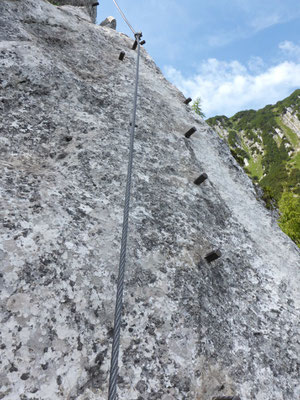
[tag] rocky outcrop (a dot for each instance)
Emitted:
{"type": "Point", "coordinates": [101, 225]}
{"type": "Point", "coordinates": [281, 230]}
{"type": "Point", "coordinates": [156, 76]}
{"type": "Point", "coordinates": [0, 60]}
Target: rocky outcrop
{"type": "Point", "coordinates": [191, 329]}
{"type": "Point", "coordinates": [90, 5]}
{"type": "Point", "coordinates": [109, 22]}
{"type": "Point", "coordinates": [291, 120]}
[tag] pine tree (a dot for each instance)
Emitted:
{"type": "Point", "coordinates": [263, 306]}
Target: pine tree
{"type": "Point", "coordinates": [196, 106]}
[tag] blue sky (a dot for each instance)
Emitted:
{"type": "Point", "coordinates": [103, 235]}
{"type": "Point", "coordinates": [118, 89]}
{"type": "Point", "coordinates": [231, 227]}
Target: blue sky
{"type": "Point", "coordinates": [234, 54]}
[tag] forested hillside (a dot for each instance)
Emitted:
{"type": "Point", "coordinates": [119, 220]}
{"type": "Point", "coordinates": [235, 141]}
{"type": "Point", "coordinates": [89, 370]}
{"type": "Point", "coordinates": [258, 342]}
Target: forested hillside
{"type": "Point", "coordinates": [267, 143]}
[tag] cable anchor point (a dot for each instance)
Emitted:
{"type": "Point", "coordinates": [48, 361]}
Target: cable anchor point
{"type": "Point", "coordinates": [138, 35]}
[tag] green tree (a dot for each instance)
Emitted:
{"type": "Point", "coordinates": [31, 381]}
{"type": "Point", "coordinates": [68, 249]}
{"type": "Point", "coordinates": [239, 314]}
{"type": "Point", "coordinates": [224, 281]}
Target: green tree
{"type": "Point", "coordinates": [196, 106]}
{"type": "Point", "coordinates": [289, 206]}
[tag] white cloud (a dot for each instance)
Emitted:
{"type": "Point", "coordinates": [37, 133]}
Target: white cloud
{"type": "Point", "coordinates": [256, 64]}
{"type": "Point", "coordinates": [229, 87]}
{"type": "Point", "coordinates": [243, 18]}
{"type": "Point", "coordinates": [290, 49]}
{"type": "Point", "coordinates": [260, 15]}
{"type": "Point", "coordinates": [222, 38]}
{"type": "Point", "coordinates": [265, 21]}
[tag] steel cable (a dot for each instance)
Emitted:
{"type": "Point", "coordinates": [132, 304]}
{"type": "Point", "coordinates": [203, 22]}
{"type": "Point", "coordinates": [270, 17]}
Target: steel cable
{"type": "Point", "coordinates": [123, 16]}
{"type": "Point", "coordinates": [120, 285]}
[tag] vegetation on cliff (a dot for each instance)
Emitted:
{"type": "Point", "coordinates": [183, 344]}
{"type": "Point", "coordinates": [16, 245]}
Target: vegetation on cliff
{"type": "Point", "coordinates": [266, 143]}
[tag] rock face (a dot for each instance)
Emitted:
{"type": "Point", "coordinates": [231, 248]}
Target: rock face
{"type": "Point", "coordinates": [109, 22]}
{"type": "Point", "coordinates": [292, 121]}
{"type": "Point", "coordinates": [90, 6]}
{"type": "Point", "coordinates": [191, 330]}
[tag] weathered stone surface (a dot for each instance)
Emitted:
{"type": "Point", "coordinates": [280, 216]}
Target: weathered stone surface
{"type": "Point", "coordinates": [89, 5]}
{"type": "Point", "coordinates": [109, 22]}
{"type": "Point", "coordinates": [190, 330]}
{"type": "Point", "coordinates": [291, 120]}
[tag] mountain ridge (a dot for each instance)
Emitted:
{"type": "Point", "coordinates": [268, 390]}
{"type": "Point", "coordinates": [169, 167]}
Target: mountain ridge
{"type": "Point", "coordinates": [266, 143]}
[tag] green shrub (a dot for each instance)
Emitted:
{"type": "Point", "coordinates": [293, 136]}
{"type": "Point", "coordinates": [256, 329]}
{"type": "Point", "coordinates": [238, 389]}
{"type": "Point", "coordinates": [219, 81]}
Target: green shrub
{"type": "Point", "coordinates": [238, 158]}
{"type": "Point", "coordinates": [268, 197]}
{"type": "Point", "coordinates": [196, 106]}
{"type": "Point", "coordinates": [289, 206]}
{"type": "Point", "coordinates": [233, 139]}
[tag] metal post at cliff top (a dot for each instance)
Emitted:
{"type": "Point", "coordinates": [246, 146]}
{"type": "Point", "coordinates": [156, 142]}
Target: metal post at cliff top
{"type": "Point", "coordinates": [120, 285]}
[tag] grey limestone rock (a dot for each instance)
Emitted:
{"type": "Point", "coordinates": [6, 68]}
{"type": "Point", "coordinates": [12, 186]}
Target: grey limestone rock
{"type": "Point", "coordinates": [191, 330]}
{"type": "Point", "coordinates": [89, 5]}
{"type": "Point", "coordinates": [109, 22]}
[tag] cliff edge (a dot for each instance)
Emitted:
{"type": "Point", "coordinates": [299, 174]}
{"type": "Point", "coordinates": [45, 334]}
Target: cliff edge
{"type": "Point", "coordinates": [89, 5]}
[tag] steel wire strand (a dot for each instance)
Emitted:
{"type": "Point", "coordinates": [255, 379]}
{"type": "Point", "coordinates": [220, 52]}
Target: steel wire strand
{"type": "Point", "coordinates": [120, 285]}
{"type": "Point", "coordinates": [124, 17]}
